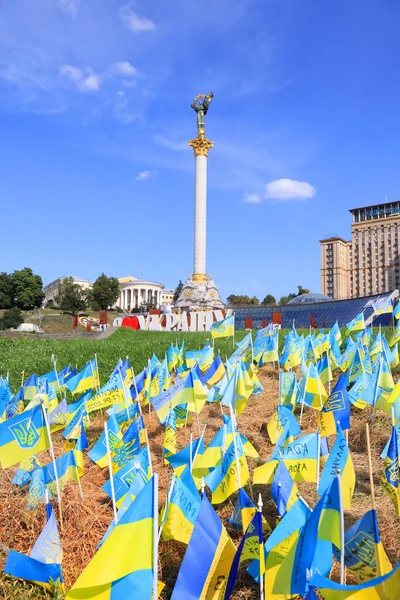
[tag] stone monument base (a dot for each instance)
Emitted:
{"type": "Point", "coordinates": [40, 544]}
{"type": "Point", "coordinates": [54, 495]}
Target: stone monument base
{"type": "Point", "coordinates": [199, 292]}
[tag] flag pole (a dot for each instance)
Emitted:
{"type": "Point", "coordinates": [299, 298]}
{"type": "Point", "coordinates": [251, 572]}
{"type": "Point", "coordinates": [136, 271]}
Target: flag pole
{"type": "Point", "coordinates": [53, 458]}
{"type": "Point", "coordinates": [167, 503]}
{"type": "Point", "coordinates": [22, 378]}
{"type": "Point", "coordinates": [341, 528]}
{"type": "Point", "coordinates": [233, 336]}
{"type": "Point", "coordinates": [260, 507]}
{"type": "Point", "coordinates": [371, 484]}
{"type": "Point", "coordinates": [97, 371]}
{"type": "Point", "coordinates": [318, 457]}
{"type": "Point", "coordinates": [376, 387]}
{"type": "Point", "coordinates": [155, 538]}
{"type": "Point", "coordinates": [110, 472]}
{"type": "Point", "coordinates": [235, 447]}
{"type": "Point", "coordinates": [190, 452]}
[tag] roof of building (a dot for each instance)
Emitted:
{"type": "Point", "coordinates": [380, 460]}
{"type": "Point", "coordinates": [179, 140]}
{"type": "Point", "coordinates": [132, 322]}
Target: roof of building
{"type": "Point", "coordinates": [310, 298]}
{"type": "Point", "coordinates": [127, 279]}
{"type": "Point", "coordinates": [377, 205]}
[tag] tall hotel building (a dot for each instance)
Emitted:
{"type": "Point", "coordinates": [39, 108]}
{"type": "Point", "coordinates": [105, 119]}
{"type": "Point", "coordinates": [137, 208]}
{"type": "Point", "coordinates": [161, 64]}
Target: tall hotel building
{"type": "Point", "coordinates": [368, 264]}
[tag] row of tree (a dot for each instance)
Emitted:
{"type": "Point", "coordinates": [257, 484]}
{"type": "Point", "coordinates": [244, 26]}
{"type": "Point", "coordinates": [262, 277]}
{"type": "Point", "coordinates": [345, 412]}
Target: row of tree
{"type": "Point", "coordinates": [73, 299]}
{"type": "Point", "coordinates": [268, 300]}
{"type": "Point", "coordinates": [22, 289]}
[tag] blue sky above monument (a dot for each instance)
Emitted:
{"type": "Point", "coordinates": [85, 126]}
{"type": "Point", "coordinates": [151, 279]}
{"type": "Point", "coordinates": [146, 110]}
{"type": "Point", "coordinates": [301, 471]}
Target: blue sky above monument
{"type": "Point", "coordinates": [95, 171]}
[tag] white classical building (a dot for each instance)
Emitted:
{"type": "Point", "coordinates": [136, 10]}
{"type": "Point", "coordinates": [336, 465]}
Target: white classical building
{"type": "Point", "coordinates": [135, 292]}
{"type": "Point", "coordinates": [51, 289]}
{"type": "Point", "coordinates": [167, 297]}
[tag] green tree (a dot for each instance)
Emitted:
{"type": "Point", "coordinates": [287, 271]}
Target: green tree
{"type": "Point", "coordinates": [12, 318]}
{"type": "Point", "coordinates": [237, 300]}
{"type": "Point", "coordinates": [178, 290]}
{"type": "Point", "coordinates": [302, 290]}
{"type": "Point", "coordinates": [269, 299]}
{"type": "Point", "coordinates": [27, 289]}
{"type": "Point", "coordinates": [6, 291]}
{"type": "Point", "coordinates": [71, 298]}
{"type": "Point", "coordinates": [105, 292]}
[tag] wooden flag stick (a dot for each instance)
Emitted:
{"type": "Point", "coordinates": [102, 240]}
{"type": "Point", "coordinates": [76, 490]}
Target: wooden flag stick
{"type": "Point", "coordinates": [371, 484]}
{"type": "Point", "coordinates": [155, 538]}
{"type": "Point", "coordinates": [260, 507]}
{"type": "Point", "coordinates": [341, 528]}
{"type": "Point", "coordinates": [53, 458]}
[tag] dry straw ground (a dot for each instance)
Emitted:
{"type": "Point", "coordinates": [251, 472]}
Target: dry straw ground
{"type": "Point", "coordinates": [86, 521]}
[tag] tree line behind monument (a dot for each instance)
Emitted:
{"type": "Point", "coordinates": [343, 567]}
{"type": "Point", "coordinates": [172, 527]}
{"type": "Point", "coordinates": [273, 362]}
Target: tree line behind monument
{"type": "Point", "coordinates": [23, 291]}
{"type": "Point", "coordinates": [268, 300]}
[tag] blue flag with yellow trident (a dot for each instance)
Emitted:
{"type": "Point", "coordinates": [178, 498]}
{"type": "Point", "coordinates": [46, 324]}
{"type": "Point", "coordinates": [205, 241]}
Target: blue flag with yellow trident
{"type": "Point", "coordinates": [224, 328]}
{"type": "Point", "coordinates": [22, 436]}
{"type": "Point", "coordinates": [365, 556]}
{"type": "Point", "coordinates": [336, 409]}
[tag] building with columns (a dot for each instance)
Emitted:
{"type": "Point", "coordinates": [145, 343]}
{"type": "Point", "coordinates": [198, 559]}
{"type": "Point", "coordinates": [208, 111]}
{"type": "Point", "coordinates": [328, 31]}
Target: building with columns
{"type": "Point", "coordinates": [136, 292]}
{"type": "Point", "coordinates": [52, 289]}
{"type": "Point", "coordinates": [369, 264]}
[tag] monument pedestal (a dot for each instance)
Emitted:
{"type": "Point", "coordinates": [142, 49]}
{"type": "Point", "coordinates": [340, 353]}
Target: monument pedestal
{"type": "Point", "coordinates": [199, 292]}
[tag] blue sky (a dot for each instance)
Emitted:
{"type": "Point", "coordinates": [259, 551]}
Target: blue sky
{"type": "Point", "coordinates": [95, 171]}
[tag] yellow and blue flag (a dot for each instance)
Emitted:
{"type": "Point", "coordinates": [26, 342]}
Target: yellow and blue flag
{"type": "Point", "coordinates": [365, 557]}
{"type": "Point", "coordinates": [381, 588]}
{"type": "Point", "coordinates": [356, 324]}
{"type": "Point", "coordinates": [31, 387]}
{"type": "Point", "coordinates": [23, 435]}
{"type": "Point", "coordinates": [208, 558]}
{"type": "Point", "coordinates": [314, 545]}
{"type": "Point", "coordinates": [215, 372]}
{"type": "Point", "coordinates": [336, 409]}
{"type": "Point", "coordinates": [382, 306]}
{"type": "Point", "coordinates": [314, 393]}
{"type": "Point", "coordinates": [169, 444]}
{"type": "Point", "coordinates": [224, 328]}
{"type": "Point", "coordinates": [251, 546]}
{"type": "Point", "coordinates": [292, 353]}
{"type": "Point", "coordinates": [284, 491]}
{"type": "Point", "coordinates": [67, 470]}
{"type": "Point", "coordinates": [276, 424]}
{"type": "Point", "coordinates": [37, 489]}
{"type": "Point", "coordinates": [24, 473]}
{"type": "Point", "coordinates": [85, 380]}
{"type": "Point", "coordinates": [181, 512]}
{"type": "Point", "coordinates": [300, 459]}
{"type": "Point", "coordinates": [339, 458]}
{"type": "Point", "coordinates": [123, 567]}
{"type": "Point", "coordinates": [111, 393]}
{"type": "Point", "coordinates": [98, 454]}
{"type": "Point", "coordinates": [389, 479]}
{"type": "Point", "coordinates": [225, 478]}
{"type": "Point", "coordinates": [47, 548]}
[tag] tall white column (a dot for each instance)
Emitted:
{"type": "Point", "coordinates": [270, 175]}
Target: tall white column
{"type": "Point", "coordinates": [200, 214]}
{"type": "Point", "coordinates": [201, 146]}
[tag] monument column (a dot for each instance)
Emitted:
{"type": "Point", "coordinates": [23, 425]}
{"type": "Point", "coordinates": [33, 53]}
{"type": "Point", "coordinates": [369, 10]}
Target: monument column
{"type": "Point", "coordinates": [200, 291]}
{"type": "Point", "coordinates": [201, 146]}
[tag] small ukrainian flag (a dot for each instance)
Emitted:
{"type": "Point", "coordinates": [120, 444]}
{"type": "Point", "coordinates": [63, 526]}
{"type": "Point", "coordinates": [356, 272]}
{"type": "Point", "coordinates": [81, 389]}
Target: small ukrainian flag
{"type": "Point", "coordinates": [225, 328]}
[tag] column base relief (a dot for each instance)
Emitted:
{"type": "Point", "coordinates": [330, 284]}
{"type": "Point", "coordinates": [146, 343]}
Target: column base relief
{"type": "Point", "coordinates": [199, 291]}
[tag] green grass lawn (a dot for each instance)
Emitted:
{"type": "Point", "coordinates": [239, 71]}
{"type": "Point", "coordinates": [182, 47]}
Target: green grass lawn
{"type": "Point", "coordinates": [33, 355]}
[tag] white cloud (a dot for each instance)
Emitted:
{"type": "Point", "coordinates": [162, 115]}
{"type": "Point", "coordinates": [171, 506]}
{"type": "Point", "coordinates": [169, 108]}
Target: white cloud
{"type": "Point", "coordinates": [121, 109]}
{"type": "Point", "coordinates": [145, 175]}
{"type": "Point", "coordinates": [85, 82]}
{"type": "Point", "coordinates": [289, 189]}
{"type": "Point", "coordinates": [135, 23]}
{"type": "Point", "coordinates": [124, 68]}
{"type": "Point", "coordinates": [252, 198]}
{"type": "Point", "coordinates": [69, 6]}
